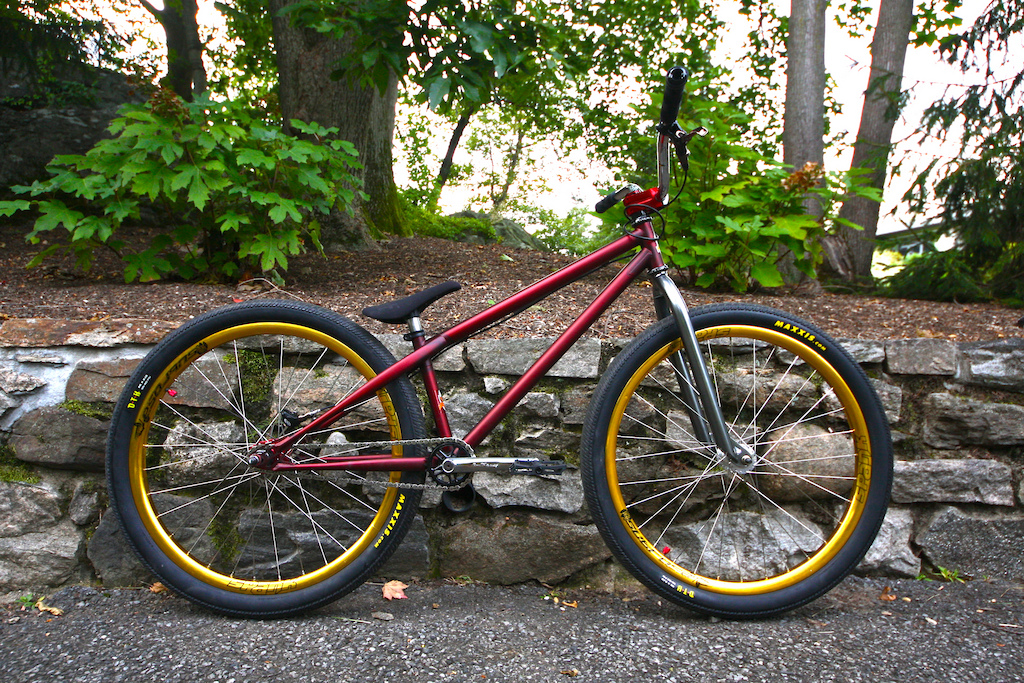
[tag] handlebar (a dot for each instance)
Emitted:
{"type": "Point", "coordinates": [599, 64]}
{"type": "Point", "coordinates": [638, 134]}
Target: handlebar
{"type": "Point", "coordinates": [675, 81]}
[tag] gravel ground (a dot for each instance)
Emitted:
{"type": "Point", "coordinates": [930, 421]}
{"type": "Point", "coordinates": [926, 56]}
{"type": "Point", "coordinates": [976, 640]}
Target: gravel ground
{"type": "Point", "coordinates": [865, 630]}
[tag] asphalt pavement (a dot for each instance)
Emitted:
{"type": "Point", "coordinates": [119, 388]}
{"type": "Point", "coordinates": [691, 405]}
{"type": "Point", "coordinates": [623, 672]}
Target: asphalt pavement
{"type": "Point", "coordinates": [865, 630]}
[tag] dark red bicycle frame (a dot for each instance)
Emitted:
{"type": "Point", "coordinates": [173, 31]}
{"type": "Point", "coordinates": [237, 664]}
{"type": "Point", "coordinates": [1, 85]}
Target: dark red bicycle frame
{"type": "Point", "coordinates": [649, 256]}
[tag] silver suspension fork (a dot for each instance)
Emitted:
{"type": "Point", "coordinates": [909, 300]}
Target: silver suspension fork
{"type": "Point", "coordinates": [707, 412]}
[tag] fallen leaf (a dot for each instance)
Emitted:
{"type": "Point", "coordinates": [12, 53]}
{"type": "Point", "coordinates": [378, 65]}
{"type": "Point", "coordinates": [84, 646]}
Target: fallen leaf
{"type": "Point", "coordinates": [395, 590]}
{"type": "Point", "coordinates": [886, 596]}
{"type": "Point", "coordinates": [383, 616]}
{"type": "Point", "coordinates": [570, 672]}
{"type": "Point", "coordinates": [43, 607]}
{"type": "Point", "coordinates": [574, 603]}
{"type": "Point", "coordinates": [158, 588]}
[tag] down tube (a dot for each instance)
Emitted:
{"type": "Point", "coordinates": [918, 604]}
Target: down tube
{"type": "Point", "coordinates": [558, 349]}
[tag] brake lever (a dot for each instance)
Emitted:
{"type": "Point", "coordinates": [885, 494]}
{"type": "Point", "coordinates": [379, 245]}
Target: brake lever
{"type": "Point", "coordinates": [680, 139]}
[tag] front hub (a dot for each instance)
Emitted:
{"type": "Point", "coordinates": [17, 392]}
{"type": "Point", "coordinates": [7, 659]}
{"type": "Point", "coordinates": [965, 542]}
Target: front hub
{"type": "Point", "coordinates": [743, 461]}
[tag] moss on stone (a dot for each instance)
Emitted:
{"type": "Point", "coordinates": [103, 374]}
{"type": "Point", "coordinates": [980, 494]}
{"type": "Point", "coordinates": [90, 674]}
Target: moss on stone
{"type": "Point", "coordinates": [226, 539]}
{"type": "Point", "coordinates": [257, 374]}
{"type": "Point", "coordinates": [12, 469]}
{"type": "Point", "coordinates": [458, 228]}
{"type": "Point", "coordinates": [98, 411]}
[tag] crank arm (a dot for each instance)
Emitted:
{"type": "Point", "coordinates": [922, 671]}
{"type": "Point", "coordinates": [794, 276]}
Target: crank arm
{"type": "Point", "coordinates": [502, 465]}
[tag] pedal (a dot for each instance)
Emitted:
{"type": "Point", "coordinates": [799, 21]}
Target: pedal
{"type": "Point", "coordinates": [536, 467]}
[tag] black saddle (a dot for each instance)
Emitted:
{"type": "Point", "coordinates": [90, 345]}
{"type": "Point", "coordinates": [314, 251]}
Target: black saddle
{"type": "Point", "coordinates": [398, 312]}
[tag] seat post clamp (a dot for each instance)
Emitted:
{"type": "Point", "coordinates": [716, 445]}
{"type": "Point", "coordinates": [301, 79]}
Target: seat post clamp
{"type": "Point", "coordinates": [415, 328]}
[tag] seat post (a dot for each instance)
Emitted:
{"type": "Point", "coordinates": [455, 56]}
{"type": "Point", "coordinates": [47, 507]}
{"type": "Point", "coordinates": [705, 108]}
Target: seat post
{"type": "Point", "coordinates": [415, 327]}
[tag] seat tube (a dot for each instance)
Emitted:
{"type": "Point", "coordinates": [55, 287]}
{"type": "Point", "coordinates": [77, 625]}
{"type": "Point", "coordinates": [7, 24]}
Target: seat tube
{"type": "Point", "coordinates": [698, 370]}
{"type": "Point", "coordinates": [416, 336]}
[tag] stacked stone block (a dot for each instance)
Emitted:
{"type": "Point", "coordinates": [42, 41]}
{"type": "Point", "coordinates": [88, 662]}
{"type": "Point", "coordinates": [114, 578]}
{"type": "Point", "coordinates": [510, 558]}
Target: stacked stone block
{"type": "Point", "coordinates": [956, 411]}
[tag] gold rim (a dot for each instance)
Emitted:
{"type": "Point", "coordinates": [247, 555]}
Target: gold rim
{"type": "Point", "coordinates": [375, 531]}
{"type": "Point", "coordinates": [862, 466]}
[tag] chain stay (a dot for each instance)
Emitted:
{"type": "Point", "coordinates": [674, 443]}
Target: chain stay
{"type": "Point", "coordinates": [437, 442]}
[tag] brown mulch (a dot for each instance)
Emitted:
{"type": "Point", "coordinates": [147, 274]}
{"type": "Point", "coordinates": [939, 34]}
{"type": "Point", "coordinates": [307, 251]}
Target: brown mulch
{"type": "Point", "coordinates": [347, 282]}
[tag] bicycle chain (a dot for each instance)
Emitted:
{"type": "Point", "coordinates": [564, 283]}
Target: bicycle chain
{"type": "Point", "coordinates": [377, 483]}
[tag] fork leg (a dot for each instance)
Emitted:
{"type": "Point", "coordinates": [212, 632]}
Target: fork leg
{"type": "Point", "coordinates": [687, 394]}
{"type": "Point", "coordinates": [708, 409]}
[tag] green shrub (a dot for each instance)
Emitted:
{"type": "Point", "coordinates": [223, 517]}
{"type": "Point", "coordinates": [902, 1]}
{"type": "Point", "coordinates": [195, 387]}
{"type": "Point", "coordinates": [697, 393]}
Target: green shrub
{"type": "Point", "coordinates": [738, 231]}
{"type": "Point", "coordinates": [739, 212]}
{"type": "Point", "coordinates": [239, 193]}
{"type": "Point", "coordinates": [938, 276]}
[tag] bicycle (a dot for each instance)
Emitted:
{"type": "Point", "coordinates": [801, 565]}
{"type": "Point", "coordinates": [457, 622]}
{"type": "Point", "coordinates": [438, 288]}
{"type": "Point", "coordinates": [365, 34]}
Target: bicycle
{"type": "Point", "coordinates": [267, 457]}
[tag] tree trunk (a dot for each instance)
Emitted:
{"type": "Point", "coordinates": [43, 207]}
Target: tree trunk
{"type": "Point", "coordinates": [501, 197]}
{"type": "Point", "coordinates": [186, 75]}
{"type": "Point", "coordinates": [803, 124]}
{"type": "Point", "coordinates": [364, 116]}
{"type": "Point", "coordinates": [803, 131]}
{"type": "Point", "coordinates": [852, 260]}
{"type": "Point", "coordinates": [449, 158]}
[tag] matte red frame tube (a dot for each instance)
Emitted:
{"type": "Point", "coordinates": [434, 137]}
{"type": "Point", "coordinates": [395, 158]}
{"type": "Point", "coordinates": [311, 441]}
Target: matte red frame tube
{"type": "Point", "coordinates": [357, 463]}
{"type": "Point", "coordinates": [554, 352]}
{"type": "Point", "coordinates": [519, 301]}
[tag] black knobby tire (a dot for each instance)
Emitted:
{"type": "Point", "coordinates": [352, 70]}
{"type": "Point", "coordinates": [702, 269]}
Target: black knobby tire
{"type": "Point", "coordinates": [238, 539]}
{"type": "Point", "coordinates": [721, 538]}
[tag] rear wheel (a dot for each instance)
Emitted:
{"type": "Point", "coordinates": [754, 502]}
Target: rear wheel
{"type": "Point", "coordinates": [240, 539]}
{"type": "Point", "coordinates": [728, 539]}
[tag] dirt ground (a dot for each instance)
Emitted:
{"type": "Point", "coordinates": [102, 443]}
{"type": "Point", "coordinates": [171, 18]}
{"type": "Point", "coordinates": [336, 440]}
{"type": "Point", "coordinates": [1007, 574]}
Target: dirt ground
{"type": "Point", "coordinates": [349, 281]}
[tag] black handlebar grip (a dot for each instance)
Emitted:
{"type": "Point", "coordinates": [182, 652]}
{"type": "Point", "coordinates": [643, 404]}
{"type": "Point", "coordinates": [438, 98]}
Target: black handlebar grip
{"type": "Point", "coordinates": [674, 83]}
{"type": "Point", "coordinates": [606, 203]}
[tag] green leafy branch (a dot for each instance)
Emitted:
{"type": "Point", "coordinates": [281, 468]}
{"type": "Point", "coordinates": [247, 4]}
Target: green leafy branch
{"type": "Point", "coordinates": [237, 193]}
{"type": "Point", "coordinates": [741, 212]}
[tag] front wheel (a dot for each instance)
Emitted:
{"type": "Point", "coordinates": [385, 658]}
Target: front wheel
{"type": "Point", "coordinates": [232, 536]}
{"type": "Point", "coordinates": [720, 537]}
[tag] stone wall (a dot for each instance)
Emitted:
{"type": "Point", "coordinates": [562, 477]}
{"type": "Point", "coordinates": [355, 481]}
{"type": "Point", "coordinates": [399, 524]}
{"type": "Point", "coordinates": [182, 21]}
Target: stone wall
{"type": "Point", "coordinates": [957, 414]}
